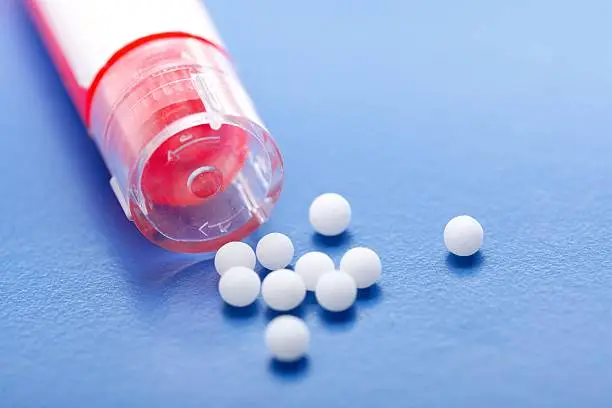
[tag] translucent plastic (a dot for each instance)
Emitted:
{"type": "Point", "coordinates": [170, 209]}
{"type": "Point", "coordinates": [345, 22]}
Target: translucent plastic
{"type": "Point", "coordinates": [192, 164]}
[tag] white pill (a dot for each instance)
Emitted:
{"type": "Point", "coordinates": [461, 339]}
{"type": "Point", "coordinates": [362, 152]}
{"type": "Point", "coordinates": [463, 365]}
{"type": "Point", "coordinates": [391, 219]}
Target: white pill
{"type": "Point", "coordinates": [239, 286]}
{"type": "Point", "coordinates": [336, 291]}
{"type": "Point", "coordinates": [283, 290]}
{"type": "Point", "coordinates": [311, 266]}
{"type": "Point", "coordinates": [287, 338]}
{"type": "Point", "coordinates": [275, 251]}
{"type": "Point", "coordinates": [330, 214]}
{"type": "Point", "coordinates": [234, 254]}
{"type": "Point", "coordinates": [463, 235]}
{"type": "Point", "coordinates": [363, 265]}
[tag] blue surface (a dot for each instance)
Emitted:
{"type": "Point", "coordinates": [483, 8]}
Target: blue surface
{"type": "Point", "coordinates": [416, 111]}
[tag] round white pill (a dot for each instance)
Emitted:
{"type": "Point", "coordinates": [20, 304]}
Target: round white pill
{"type": "Point", "coordinates": [463, 235]}
{"type": "Point", "coordinates": [239, 286]}
{"type": "Point", "coordinates": [363, 265]}
{"type": "Point", "coordinates": [287, 338]}
{"type": "Point", "coordinates": [330, 214]}
{"type": "Point", "coordinates": [311, 266]}
{"type": "Point", "coordinates": [336, 291]}
{"type": "Point", "coordinates": [234, 254]}
{"type": "Point", "coordinates": [275, 251]}
{"type": "Point", "coordinates": [283, 290]}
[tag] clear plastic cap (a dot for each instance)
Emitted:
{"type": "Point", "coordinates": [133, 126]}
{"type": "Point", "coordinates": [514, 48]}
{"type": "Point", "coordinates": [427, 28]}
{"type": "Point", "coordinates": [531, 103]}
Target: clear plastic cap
{"type": "Point", "coordinates": [192, 164]}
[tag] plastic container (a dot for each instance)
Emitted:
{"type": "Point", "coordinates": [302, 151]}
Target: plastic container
{"type": "Point", "coordinates": [192, 164]}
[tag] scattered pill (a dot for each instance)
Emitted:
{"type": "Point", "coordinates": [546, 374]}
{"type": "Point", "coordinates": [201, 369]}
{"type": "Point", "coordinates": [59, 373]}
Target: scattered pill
{"type": "Point", "coordinates": [287, 338]}
{"type": "Point", "coordinates": [239, 286]}
{"type": "Point", "coordinates": [275, 251]}
{"type": "Point", "coordinates": [336, 291]}
{"type": "Point", "coordinates": [330, 214]}
{"type": "Point", "coordinates": [283, 290]}
{"type": "Point", "coordinates": [463, 235]}
{"type": "Point", "coordinates": [363, 265]}
{"type": "Point", "coordinates": [234, 254]}
{"type": "Point", "coordinates": [311, 266]}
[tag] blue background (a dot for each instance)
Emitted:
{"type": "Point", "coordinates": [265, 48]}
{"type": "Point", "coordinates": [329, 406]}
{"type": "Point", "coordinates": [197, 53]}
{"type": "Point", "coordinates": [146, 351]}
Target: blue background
{"type": "Point", "coordinates": [415, 110]}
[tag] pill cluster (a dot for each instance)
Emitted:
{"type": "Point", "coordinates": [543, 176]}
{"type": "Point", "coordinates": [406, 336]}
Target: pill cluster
{"type": "Point", "coordinates": [287, 337]}
{"type": "Point", "coordinates": [282, 290]}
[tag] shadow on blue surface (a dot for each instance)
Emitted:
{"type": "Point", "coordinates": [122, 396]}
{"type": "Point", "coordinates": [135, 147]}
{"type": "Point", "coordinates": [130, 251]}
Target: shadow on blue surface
{"type": "Point", "coordinates": [154, 288]}
{"type": "Point", "coordinates": [310, 299]}
{"type": "Point", "coordinates": [369, 296]}
{"type": "Point", "coordinates": [263, 272]}
{"type": "Point", "coordinates": [241, 314]}
{"type": "Point", "coordinates": [322, 242]}
{"type": "Point", "coordinates": [290, 371]}
{"type": "Point", "coordinates": [338, 321]}
{"type": "Point", "coordinates": [465, 265]}
{"type": "Point", "coordinates": [298, 312]}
